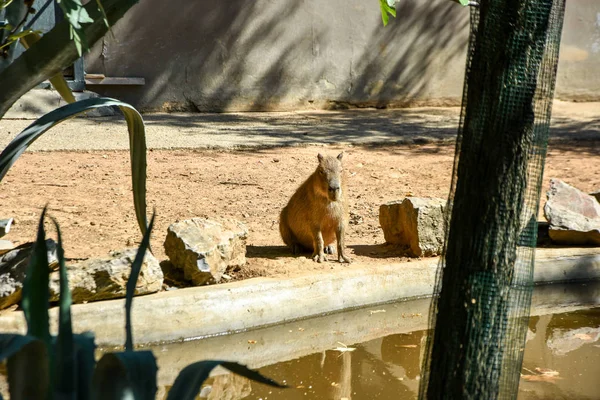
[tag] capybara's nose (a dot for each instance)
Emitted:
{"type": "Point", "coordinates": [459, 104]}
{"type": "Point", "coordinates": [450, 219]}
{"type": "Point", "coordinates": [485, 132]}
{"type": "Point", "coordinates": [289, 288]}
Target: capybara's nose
{"type": "Point", "coordinates": [334, 188]}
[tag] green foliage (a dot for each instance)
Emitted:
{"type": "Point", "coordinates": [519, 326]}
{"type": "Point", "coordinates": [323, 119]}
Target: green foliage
{"type": "Point", "coordinates": [58, 81]}
{"type": "Point", "coordinates": [35, 289]}
{"type": "Point", "coordinates": [137, 142]}
{"type": "Point", "coordinates": [15, 36]}
{"type": "Point", "coordinates": [77, 15]}
{"type": "Point", "coordinates": [64, 366]}
{"type": "Point", "coordinates": [55, 50]}
{"type": "Point", "coordinates": [388, 8]}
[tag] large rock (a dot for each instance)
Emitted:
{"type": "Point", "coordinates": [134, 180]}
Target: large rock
{"type": "Point", "coordinates": [204, 249]}
{"type": "Point", "coordinates": [415, 222]}
{"type": "Point", "coordinates": [229, 387]}
{"type": "Point", "coordinates": [6, 246]}
{"type": "Point", "coordinates": [574, 216]}
{"type": "Point", "coordinates": [106, 278]}
{"type": "Point", "coordinates": [5, 226]}
{"type": "Point", "coordinates": [90, 280]}
{"type": "Point", "coordinates": [13, 265]}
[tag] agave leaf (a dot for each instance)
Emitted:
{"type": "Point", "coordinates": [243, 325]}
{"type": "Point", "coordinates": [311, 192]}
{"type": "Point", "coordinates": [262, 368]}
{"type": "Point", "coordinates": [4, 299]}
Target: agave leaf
{"type": "Point", "coordinates": [25, 355]}
{"type": "Point", "coordinates": [85, 359]}
{"type": "Point", "coordinates": [137, 142]}
{"type": "Point", "coordinates": [64, 379]}
{"type": "Point", "coordinates": [190, 379]}
{"type": "Point", "coordinates": [35, 288]}
{"type": "Point", "coordinates": [11, 343]}
{"type": "Point", "coordinates": [126, 375]}
{"type": "Point", "coordinates": [136, 266]}
{"type": "Point", "coordinates": [28, 372]}
{"type": "Point", "coordinates": [58, 81]}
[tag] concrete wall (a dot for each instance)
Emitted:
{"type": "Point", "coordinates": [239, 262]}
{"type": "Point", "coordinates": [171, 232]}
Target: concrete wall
{"type": "Point", "coordinates": [579, 62]}
{"type": "Point", "coordinates": [279, 55]}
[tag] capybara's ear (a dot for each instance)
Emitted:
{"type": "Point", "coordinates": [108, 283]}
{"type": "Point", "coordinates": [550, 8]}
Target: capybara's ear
{"type": "Point", "coordinates": [340, 156]}
{"type": "Point", "coordinates": [320, 157]}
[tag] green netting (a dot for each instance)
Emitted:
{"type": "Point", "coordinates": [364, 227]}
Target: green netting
{"type": "Point", "coordinates": [479, 320]}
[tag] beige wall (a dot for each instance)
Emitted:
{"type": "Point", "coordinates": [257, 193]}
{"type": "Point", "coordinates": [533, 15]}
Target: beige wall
{"type": "Point", "coordinates": [279, 55]}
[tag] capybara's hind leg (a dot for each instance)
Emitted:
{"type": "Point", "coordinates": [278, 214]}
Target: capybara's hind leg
{"type": "Point", "coordinates": [284, 229]}
{"type": "Point", "coordinates": [286, 234]}
{"type": "Point", "coordinates": [296, 248]}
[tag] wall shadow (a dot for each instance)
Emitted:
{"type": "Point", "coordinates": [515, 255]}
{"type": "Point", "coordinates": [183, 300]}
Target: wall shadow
{"type": "Point", "coordinates": [261, 55]}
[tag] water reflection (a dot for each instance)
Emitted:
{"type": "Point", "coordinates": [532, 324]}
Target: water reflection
{"type": "Point", "coordinates": [318, 359]}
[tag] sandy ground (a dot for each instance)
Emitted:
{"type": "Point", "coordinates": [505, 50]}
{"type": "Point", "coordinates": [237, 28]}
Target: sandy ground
{"type": "Point", "coordinates": [246, 166]}
{"type": "Point", "coordinates": [89, 194]}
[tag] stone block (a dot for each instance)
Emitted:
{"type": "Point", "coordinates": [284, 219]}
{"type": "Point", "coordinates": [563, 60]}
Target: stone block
{"type": "Point", "coordinates": [415, 222]}
{"type": "Point", "coordinates": [204, 248]}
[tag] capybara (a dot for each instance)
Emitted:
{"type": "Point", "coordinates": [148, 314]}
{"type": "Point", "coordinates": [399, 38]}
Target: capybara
{"type": "Point", "coordinates": [317, 214]}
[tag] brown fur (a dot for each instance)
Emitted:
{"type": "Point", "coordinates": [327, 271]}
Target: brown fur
{"type": "Point", "coordinates": [317, 214]}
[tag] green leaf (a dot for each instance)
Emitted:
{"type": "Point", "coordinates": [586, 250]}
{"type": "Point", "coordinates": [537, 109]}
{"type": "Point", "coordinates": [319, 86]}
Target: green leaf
{"type": "Point", "coordinates": [10, 344]}
{"type": "Point", "coordinates": [386, 9]}
{"type": "Point", "coordinates": [65, 372]}
{"type": "Point", "coordinates": [190, 379]}
{"type": "Point", "coordinates": [16, 36]}
{"type": "Point", "coordinates": [76, 14]}
{"type": "Point", "coordinates": [137, 142]}
{"type": "Point", "coordinates": [85, 359]}
{"type": "Point", "coordinates": [136, 266]}
{"type": "Point", "coordinates": [58, 81]}
{"type": "Point", "coordinates": [104, 18]}
{"type": "Point", "coordinates": [126, 375]}
{"type": "Point", "coordinates": [35, 288]}
{"type": "Point", "coordinates": [5, 3]}
{"type": "Point", "coordinates": [14, 13]}
{"type": "Point", "coordinates": [28, 372]}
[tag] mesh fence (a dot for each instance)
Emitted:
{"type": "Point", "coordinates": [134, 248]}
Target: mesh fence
{"type": "Point", "coordinates": [479, 320]}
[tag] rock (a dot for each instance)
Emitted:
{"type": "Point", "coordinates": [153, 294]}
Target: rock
{"type": "Point", "coordinates": [415, 222]}
{"type": "Point", "coordinates": [5, 246]}
{"type": "Point", "coordinates": [13, 265]}
{"type": "Point", "coordinates": [106, 278]}
{"type": "Point", "coordinates": [562, 342]}
{"type": "Point", "coordinates": [574, 216]}
{"type": "Point", "coordinates": [90, 280]}
{"type": "Point", "coordinates": [5, 226]}
{"type": "Point", "coordinates": [204, 249]}
{"type": "Point", "coordinates": [229, 387]}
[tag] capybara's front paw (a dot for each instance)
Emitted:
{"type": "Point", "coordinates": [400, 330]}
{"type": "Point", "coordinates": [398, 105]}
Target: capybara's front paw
{"type": "Point", "coordinates": [343, 259]}
{"type": "Point", "coordinates": [319, 258]}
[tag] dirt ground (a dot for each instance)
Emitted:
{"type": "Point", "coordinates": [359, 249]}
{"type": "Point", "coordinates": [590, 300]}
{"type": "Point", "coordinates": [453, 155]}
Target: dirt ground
{"type": "Point", "coordinates": [89, 194]}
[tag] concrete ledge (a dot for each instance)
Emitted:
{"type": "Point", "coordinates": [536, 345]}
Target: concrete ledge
{"type": "Point", "coordinates": [213, 310]}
